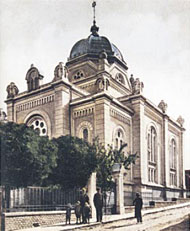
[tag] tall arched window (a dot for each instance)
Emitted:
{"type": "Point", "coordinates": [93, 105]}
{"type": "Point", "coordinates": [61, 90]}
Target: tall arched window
{"type": "Point", "coordinates": [152, 153]}
{"type": "Point", "coordinates": [172, 153]}
{"type": "Point", "coordinates": [85, 134]}
{"type": "Point", "coordinates": [152, 145]}
{"type": "Point", "coordinates": [173, 162]}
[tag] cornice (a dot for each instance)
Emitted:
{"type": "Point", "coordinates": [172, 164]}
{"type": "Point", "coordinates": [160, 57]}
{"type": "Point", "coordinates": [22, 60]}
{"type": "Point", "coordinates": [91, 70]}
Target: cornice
{"type": "Point", "coordinates": [45, 88]}
{"type": "Point", "coordinates": [98, 96]}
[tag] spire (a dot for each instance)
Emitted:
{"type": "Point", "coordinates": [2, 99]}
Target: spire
{"type": "Point", "coordinates": [94, 29]}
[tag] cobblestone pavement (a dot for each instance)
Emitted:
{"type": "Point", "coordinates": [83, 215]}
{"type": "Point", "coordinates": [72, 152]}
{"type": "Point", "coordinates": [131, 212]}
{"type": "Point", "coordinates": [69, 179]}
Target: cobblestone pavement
{"type": "Point", "coordinates": [151, 222]}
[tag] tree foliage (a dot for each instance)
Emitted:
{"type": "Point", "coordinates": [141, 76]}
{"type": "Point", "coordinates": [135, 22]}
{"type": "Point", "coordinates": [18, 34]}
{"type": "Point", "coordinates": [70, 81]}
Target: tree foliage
{"type": "Point", "coordinates": [26, 157]}
{"type": "Point", "coordinates": [106, 159]}
{"type": "Point", "coordinates": [66, 161]}
{"type": "Point", "coordinates": [76, 162]}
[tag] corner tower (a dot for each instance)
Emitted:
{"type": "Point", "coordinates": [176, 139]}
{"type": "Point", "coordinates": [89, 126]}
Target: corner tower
{"type": "Point", "coordinates": [96, 64]}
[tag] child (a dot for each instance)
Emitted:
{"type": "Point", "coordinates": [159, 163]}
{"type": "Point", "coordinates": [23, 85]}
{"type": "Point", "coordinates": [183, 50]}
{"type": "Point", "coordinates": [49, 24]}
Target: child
{"type": "Point", "coordinates": [87, 213]}
{"type": "Point", "coordinates": [68, 213]}
{"type": "Point", "coordinates": [78, 212]}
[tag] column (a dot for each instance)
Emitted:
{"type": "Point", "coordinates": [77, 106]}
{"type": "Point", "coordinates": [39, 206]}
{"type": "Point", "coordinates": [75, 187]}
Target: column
{"type": "Point", "coordinates": [118, 177]}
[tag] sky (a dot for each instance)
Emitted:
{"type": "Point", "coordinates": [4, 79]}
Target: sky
{"type": "Point", "coordinates": [153, 36]}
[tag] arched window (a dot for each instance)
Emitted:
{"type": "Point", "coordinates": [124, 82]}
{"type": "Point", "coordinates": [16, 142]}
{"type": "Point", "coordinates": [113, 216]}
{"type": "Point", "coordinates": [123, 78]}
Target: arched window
{"type": "Point", "coordinates": [172, 153]}
{"type": "Point", "coordinates": [173, 162]}
{"type": "Point", "coordinates": [152, 145]}
{"type": "Point", "coordinates": [119, 139]}
{"type": "Point", "coordinates": [85, 134]}
{"type": "Point", "coordinates": [152, 154]}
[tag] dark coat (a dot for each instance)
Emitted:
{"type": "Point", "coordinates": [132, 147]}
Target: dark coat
{"type": "Point", "coordinates": [98, 200]}
{"type": "Point", "coordinates": [87, 211]}
{"type": "Point", "coordinates": [83, 198]}
{"type": "Point", "coordinates": [138, 203]}
{"type": "Point", "coordinates": [68, 212]}
{"type": "Point", "coordinates": [78, 211]}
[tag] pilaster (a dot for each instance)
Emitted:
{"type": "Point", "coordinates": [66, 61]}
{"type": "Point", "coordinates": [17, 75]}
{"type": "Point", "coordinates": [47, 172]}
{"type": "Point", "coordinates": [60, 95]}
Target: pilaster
{"type": "Point", "coordinates": [140, 168]}
{"type": "Point", "coordinates": [10, 111]}
{"type": "Point", "coordinates": [99, 120]}
{"type": "Point", "coordinates": [62, 99]}
{"type": "Point", "coordinates": [166, 152]}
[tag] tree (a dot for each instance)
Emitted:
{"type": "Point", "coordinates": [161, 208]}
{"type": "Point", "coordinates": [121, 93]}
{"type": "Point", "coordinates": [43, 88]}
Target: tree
{"type": "Point", "coordinates": [26, 157]}
{"type": "Point", "coordinates": [76, 162]}
{"type": "Point", "coordinates": [106, 159]}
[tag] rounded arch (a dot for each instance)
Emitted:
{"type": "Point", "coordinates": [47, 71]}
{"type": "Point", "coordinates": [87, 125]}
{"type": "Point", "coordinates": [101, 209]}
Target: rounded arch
{"type": "Point", "coordinates": [116, 129]}
{"type": "Point", "coordinates": [36, 114]}
{"type": "Point", "coordinates": [173, 151]}
{"type": "Point", "coordinates": [148, 127]}
{"type": "Point", "coordinates": [118, 136]}
{"type": "Point", "coordinates": [84, 131]}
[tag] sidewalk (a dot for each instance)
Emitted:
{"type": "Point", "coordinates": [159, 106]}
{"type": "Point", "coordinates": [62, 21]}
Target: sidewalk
{"type": "Point", "coordinates": [129, 217]}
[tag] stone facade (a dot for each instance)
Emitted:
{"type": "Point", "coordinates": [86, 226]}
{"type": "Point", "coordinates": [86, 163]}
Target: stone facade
{"type": "Point", "coordinates": [92, 96]}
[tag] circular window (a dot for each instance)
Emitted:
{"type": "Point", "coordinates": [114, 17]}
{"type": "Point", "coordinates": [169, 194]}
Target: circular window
{"type": "Point", "coordinates": [38, 124]}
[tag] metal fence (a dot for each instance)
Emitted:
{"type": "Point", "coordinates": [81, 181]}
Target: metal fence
{"type": "Point", "coordinates": [37, 199]}
{"type": "Point", "coordinates": [47, 199]}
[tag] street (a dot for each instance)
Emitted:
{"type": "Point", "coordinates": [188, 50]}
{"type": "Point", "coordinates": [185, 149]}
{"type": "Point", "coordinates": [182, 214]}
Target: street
{"type": "Point", "coordinates": [156, 222]}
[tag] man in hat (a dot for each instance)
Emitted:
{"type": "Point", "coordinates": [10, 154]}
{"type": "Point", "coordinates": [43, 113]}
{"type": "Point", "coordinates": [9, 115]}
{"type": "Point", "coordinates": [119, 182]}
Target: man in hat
{"type": "Point", "coordinates": [138, 203]}
{"type": "Point", "coordinates": [98, 203]}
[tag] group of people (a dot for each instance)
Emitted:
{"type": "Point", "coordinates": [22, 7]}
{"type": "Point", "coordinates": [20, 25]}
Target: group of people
{"type": "Point", "coordinates": [83, 208]}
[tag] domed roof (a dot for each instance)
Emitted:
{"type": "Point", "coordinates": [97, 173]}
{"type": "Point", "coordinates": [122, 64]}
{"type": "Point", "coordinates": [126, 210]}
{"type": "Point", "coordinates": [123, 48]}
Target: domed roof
{"type": "Point", "coordinates": [94, 45]}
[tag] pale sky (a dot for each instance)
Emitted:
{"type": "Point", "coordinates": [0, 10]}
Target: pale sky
{"type": "Point", "coordinates": [153, 36]}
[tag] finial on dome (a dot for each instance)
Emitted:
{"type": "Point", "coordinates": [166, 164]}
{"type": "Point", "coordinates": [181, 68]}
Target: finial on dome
{"type": "Point", "coordinates": [94, 29]}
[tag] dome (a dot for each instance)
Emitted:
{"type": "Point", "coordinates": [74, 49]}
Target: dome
{"type": "Point", "coordinates": [93, 45]}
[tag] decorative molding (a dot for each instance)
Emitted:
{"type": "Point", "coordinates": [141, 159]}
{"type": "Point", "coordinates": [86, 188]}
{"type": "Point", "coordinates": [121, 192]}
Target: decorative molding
{"type": "Point", "coordinates": [119, 116]}
{"type": "Point", "coordinates": [153, 116]}
{"type": "Point", "coordinates": [35, 103]}
{"type": "Point", "coordinates": [12, 90]}
{"type": "Point", "coordinates": [137, 85]}
{"type": "Point", "coordinates": [83, 112]}
{"type": "Point", "coordinates": [59, 71]}
{"type": "Point", "coordinates": [181, 121]}
{"type": "Point", "coordinates": [163, 106]}
{"type": "Point", "coordinates": [173, 130]}
{"type": "Point", "coordinates": [82, 126]}
{"type": "Point", "coordinates": [87, 86]}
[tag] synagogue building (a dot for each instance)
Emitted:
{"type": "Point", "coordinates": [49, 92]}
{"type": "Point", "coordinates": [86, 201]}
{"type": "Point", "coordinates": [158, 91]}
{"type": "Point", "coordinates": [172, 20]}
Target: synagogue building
{"type": "Point", "coordinates": [92, 95]}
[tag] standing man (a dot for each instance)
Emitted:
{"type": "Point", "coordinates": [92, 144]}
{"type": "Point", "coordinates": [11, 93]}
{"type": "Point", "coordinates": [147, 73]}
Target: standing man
{"type": "Point", "coordinates": [98, 203]}
{"type": "Point", "coordinates": [83, 199]}
{"type": "Point", "coordinates": [138, 203]}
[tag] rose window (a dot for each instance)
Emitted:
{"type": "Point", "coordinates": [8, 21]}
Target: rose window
{"type": "Point", "coordinates": [38, 124]}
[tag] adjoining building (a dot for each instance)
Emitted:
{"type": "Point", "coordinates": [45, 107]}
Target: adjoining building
{"type": "Point", "coordinates": [187, 182]}
{"type": "Point", "coordinates": [93, 96]}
